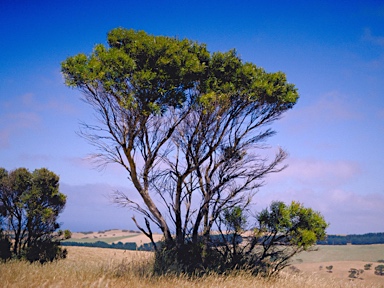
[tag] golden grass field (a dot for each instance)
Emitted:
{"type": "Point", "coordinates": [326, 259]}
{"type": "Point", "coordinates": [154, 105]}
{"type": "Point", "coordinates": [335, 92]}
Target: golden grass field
{"type": "Point", "coordinates": [97, 267]}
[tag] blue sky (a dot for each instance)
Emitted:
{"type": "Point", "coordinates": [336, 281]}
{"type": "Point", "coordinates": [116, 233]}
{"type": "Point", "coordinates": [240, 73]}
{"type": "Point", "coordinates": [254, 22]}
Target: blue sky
{"type": "Point", "coordinates": [333, 51]}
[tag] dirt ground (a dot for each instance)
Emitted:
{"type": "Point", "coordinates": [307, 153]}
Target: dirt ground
{"type": "Point", "coordinates": [340, 270]}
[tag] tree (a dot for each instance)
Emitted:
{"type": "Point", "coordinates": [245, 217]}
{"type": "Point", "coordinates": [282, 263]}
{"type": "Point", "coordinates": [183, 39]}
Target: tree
{"type": "Point", "coordinates": [188, 126]}
{"type": "Point", "coordinates": [31, 203]}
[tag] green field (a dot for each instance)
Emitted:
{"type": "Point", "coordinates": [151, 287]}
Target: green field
{"type": "Point", "coordinates": [326, 253]}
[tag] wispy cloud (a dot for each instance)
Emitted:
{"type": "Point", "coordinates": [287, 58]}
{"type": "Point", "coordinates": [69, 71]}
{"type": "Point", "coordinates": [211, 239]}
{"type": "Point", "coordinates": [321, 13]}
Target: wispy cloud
{"type": "Point", "coordinates": [377, 63]}
{"type": "Point", "coordinates": [15, 123]}
{"type": "Point", "coordinates": [315, 172]}
{"type": "Point", "coordinates": [369, 37]}
{"type": "Point", "coordinates": [31, 101]}
{"type": "Point", "coordinates": [329, 108]}
{"type": "Point", "coordinates": [332, 106]}
{"type": "Point", "coordinates": [26, 112]}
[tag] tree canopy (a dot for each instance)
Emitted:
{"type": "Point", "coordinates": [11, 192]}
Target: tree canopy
{"type": "Point", "coordinates": [30, 204]}
{"type": "Point", "coordinates": [188, 126]}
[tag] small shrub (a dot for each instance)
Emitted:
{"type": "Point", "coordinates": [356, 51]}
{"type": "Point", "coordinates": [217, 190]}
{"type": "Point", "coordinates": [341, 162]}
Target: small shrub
{"type": "Point", "coordinates": [354, 273]}
{"type": "Point", "coordinates": [183, 260]}
{"type": "Point", "coordinates": [294, 269]}
{"type": "Point", "coordinates": [368, 266]}
{"type": "Point", "coordinates": [45, 251]}
{"type": "Point", "coordinates": [329, 268]}
{"type": "Point", "coordinates": [5, 248]}
{"type": "Point", "coordinates": [379, 270]}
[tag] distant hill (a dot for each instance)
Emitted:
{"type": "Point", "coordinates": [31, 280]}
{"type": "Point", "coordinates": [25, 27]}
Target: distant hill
{"type": "Point", "coordinates": [135, 240]}
{"type": "Point", "coordinates": [112, 238]}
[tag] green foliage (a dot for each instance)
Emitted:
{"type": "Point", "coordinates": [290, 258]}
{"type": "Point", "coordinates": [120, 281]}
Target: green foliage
{"type": "Point", "coordinates": [235, 220]}
{"type": "Point", "coordinates": [294, 224]}
{"type": "Point", "coordinates": [368, 266]}
{"type": "Point", "coordinates": [142, 71]}
{"type": "Point", "coordinates": [31, 203]}
{"type": "Point", "coordinates": [283, 231]}
{"type": "Point", "coordinates": [66, 234]}
{"type": "Point", "coordinates": [151, 73]}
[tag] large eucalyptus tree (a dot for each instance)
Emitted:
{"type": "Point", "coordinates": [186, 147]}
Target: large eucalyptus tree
{"type": "Point", "coordinates": [188, 126]}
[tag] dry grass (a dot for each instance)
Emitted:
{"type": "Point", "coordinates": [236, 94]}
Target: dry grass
{"type": "Point", "coordinates": [97, 267]}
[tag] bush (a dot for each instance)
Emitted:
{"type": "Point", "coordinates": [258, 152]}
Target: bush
{"type": "Point", "coordinates": [283, 232]}
{"type": "Point", "coordinates": [379, 270]}
{"type": "Point", "coordinates": [5, 248]}
{"type": "Point", "coordinates": [355, 273]}
{"type": "Point", "coordinates": [190, 259]}
{"type": "Point", "coordinates": [45, 251]}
